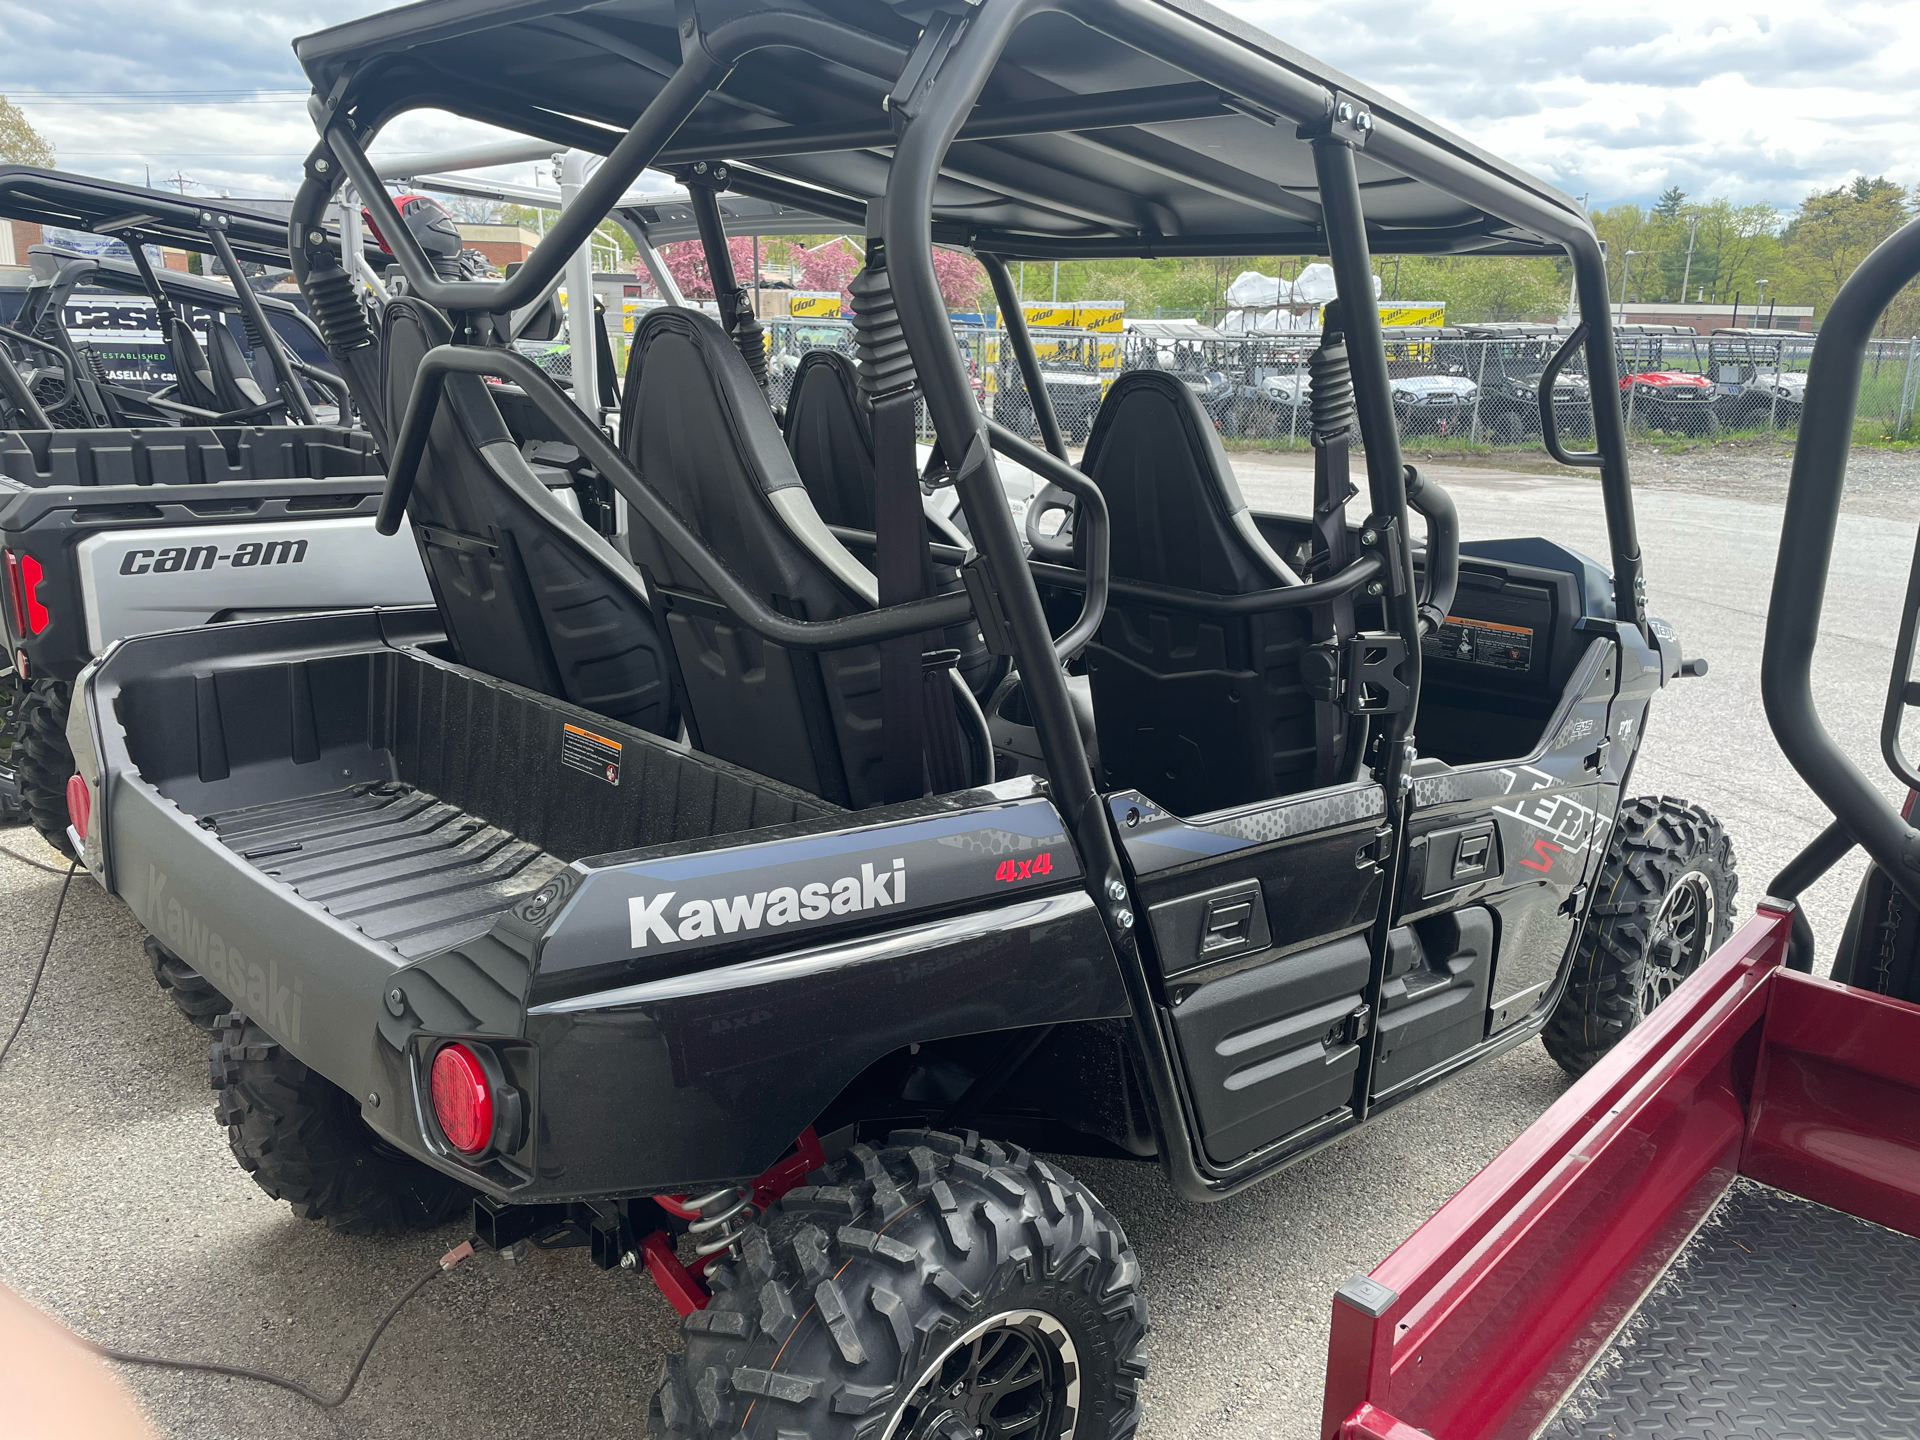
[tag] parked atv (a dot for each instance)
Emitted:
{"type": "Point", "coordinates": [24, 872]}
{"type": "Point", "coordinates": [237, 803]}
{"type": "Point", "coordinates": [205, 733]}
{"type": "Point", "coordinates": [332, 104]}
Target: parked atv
{"type": "Point", "coordinates": [683, 901]}
{"type": "Point", "coordinates": [1677, 401]}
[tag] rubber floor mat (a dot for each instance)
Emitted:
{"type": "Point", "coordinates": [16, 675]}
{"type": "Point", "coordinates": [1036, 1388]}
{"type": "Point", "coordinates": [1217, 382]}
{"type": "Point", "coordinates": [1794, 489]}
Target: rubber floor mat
{"type": "Point", "coordinates": [1779, 1319]}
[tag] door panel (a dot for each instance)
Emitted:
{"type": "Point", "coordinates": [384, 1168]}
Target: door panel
{"type": "Point", "coordinates": [1257, 922]}
{"type": "Point", "coordinates": [1542, 823]}
{"type": "Point", "coordinates": [1273, 1049]}
{"type": "Point", "coordinates": [1434, 1003]}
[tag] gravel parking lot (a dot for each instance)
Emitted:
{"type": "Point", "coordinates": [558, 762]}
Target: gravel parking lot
{"type": "Point", "coordinates": [122, 1212]}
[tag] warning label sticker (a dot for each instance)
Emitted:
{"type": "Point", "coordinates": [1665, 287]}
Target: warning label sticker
{"type": "Point", "coordinates": [1481, 642]}
{"type": "Point", "coordinates": [594, 754]}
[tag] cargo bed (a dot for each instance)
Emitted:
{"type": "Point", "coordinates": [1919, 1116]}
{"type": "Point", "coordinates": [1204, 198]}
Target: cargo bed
{"type": "Point", "coordinates": [1713, 1232]}
{"type": "Point", "coordinates": [418, 801]}
{"type": "Point", "coordinates": [1779, 1316]}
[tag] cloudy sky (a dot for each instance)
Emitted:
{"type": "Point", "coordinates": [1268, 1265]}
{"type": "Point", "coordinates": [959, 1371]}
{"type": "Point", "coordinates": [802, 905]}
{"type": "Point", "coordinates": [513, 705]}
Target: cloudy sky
{"type": "Point", "coordinates": [1616, 101]}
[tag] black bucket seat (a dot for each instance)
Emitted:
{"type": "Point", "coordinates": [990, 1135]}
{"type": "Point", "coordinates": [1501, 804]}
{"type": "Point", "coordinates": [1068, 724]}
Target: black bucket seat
{"type": "Point", "coordinates": [234, 382]}
{"type": "Point", "coordinates": [698, 429]}
{"type": "Point", "coordinates": [528, 591]}
{"type": "Point", "coordinates": [1199, 709]}
{"type": "Point", "coordinates": [829, 433]}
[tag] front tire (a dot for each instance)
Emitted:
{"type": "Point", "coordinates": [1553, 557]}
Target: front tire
{"type": "Point", "coordinates": [1663, 902]}
{"type": "Point", "coordinates": [302, 1139]}
{"type": "Point", "coordinates": [42, 762]}
{"type": "Point", "coordinates": [935, 1287]}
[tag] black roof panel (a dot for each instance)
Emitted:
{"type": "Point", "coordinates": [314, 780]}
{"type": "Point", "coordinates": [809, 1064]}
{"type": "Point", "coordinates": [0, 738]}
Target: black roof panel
{"type": "Point", "coordinates": [1209, 165]}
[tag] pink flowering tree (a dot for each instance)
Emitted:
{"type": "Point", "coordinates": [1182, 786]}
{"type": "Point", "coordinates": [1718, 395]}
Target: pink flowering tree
{"type": "Point", "coordinates": [960, 277]}
{"type": "Point", "coordinates": [828, 266]}
{"type": "Point", "coordinates": [686, 262]}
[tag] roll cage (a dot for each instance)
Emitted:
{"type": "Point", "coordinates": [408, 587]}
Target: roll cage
{"type": "Point", "coordinates": [1174, 130]}
{"type": "Point", "coordinates": [137, 216]}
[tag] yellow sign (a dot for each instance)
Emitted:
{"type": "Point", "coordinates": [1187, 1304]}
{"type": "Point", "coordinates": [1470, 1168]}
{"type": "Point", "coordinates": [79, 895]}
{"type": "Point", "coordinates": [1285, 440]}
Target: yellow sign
{"type": "Point", "coordinates": [1419, 312]}
{"type": "Point", "coordinates": [1045, 315]}
{"type": "Point", "coordinates": [814, 304]}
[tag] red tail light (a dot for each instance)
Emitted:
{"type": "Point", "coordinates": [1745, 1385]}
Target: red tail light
{"type": "Point", "coordinates": [79, 804]}
{"type": "Point", "coordinates": [30, 576]}
{"type": "Point", "coordinates": [462, 1099]}
{"type": "Point", "coordinates": [23, 594]}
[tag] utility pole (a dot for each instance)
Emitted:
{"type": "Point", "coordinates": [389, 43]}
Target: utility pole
{"type": "Point", "coordinates": [1693, 224]}
{"type": "Point", "coordinates": [179, 181]}
{"type": "Point", "coordinates": [1626, 264]}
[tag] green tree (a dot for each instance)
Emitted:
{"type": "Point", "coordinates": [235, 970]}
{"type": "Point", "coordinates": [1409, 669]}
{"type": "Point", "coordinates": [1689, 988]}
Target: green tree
{"type": "Point", "coordinates": [1672, 201]}
{"type": "Point", "coordinates": [20, 143]}
{"type": "Point", "coordinates": [1833, 231]}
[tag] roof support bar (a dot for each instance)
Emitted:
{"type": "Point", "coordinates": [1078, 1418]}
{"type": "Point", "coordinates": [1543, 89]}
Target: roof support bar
{"type": "Point", "coordinates": [291, 389]}
{"type": "Point", "coordinates": [1157, 105]}
{"type": "Point", "coordinates": [1013, 320]}
{"type": "Point", "coordinates": [1373, 397]}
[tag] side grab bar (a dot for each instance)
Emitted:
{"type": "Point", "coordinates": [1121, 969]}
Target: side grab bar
{"type": "Point", "coordinates": [1442, 579]}
{"type": "Point", "coordinates": [1549, 422]}
{"type": "Point", "coordinates": [866, 628]}
{"type": "Point", "coordinates": [1806, 551]}
{"type": "Point", "coordinates": [1092, 511]}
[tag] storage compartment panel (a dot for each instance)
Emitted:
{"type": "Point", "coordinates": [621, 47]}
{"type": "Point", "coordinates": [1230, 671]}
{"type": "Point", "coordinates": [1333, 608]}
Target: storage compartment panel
{"type": "Point", "coordinates": [1434, 1003]}
{"type": "Point", "coordinates": [1271, 1049]}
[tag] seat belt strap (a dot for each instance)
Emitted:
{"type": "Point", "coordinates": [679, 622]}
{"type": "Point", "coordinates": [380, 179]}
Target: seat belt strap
{"type": "Point", "coordinates": [920, 729]}
{"type": "Point", "coordinates": [1333, 622]}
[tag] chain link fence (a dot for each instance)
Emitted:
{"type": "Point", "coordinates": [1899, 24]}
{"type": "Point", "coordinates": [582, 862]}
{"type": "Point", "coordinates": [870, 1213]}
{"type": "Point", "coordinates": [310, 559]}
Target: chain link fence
{"type": "Point", "coordinates": [1467, 386]}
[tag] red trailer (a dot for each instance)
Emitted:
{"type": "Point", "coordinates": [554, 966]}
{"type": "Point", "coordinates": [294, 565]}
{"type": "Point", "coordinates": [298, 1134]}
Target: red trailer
{"type": "Point", "coordinates": [1716, 1232]}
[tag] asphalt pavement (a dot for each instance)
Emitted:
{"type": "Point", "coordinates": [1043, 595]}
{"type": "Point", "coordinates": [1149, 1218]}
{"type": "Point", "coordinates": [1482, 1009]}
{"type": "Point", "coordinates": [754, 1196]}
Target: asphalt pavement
{"type": "Point", "coordinates": [122, 1212]}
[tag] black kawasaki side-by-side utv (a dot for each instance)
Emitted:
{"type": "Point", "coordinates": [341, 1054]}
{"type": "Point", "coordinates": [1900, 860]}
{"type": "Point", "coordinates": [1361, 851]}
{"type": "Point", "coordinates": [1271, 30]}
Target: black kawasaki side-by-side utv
{"type": "Point", "coordinates": [707, 894]}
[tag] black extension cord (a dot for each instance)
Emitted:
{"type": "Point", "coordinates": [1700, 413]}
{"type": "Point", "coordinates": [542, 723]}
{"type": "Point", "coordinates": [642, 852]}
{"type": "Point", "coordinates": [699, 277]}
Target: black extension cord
{"type": "Point", "coordinates": [162, 1362]}
{"type": "Point", "coordinates": [266, 1377]}
{"type": "Point", "coordinates": [33, 989]}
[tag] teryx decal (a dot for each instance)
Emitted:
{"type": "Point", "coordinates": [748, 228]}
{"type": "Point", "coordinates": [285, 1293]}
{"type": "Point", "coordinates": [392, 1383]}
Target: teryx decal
{"type": "Point", "coordinates": [1571, 825]}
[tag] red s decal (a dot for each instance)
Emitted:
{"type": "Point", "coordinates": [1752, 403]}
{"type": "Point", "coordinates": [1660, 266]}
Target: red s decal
{"type": "Point", "coordinates": [1544, 850]}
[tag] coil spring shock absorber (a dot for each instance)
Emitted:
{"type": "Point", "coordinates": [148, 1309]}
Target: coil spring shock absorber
{"type": "Point", "coordinates": [335, 302]}
{"type": "Point", "coordinates": [1330, 391]}
{"type": "Point", "coordinates": [724, 1217]}
{"type": "Point", "coordinates": [879, 342]}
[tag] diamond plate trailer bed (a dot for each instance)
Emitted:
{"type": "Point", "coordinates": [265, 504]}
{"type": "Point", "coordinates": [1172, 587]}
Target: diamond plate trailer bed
{"type": "Point", "coordinates": [1717, 1230]}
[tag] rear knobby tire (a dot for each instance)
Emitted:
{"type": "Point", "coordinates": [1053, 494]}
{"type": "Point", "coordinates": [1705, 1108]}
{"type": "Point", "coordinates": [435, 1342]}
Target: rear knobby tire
{"type": "Point", "coordinates": [42, 763]}
{"type": "Point", "coordinates": [933, 1262]}
{"type": "Point", "coordinates": [302, 1139]}
{"type": "Point", "coordinates": [1663, 902]}
{"type": "Point", "coordinates": [196, 996]}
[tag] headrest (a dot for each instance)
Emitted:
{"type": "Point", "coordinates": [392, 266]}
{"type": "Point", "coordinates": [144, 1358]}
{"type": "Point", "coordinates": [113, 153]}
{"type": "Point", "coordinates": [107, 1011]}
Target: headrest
{"type": "Point", "coordinates": [1177, 513]}
{"type": "Point", "coordinates": [410, 328]}
{"type": "Point", "coordinates": [694, 409]}
{"type": "Point", "coordinates": [831, 439]}
{"type": "Point", "coordinates": [1148, 400]}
